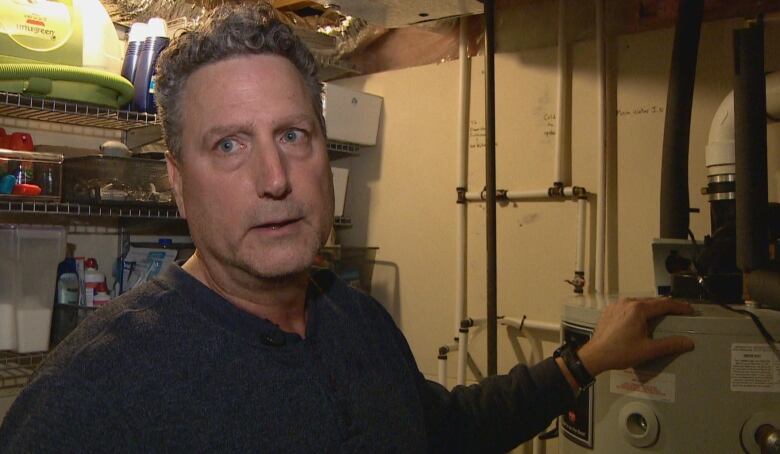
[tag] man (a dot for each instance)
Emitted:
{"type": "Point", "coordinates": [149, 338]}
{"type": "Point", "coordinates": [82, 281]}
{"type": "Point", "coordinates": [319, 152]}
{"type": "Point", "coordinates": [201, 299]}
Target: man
{"type": "Point", "coordinates": [243, 348]}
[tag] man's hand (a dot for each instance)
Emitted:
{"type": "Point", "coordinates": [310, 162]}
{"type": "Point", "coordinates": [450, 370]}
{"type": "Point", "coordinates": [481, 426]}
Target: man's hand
{"type": "Point", "coordinates": [622, 335]}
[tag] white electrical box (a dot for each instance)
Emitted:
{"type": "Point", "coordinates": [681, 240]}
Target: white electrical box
{"type": "Point", "coordinates": [351, 116]}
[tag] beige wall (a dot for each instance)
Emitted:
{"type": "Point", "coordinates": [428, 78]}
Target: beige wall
{"type": "Point", "coordinates": [402, 192]}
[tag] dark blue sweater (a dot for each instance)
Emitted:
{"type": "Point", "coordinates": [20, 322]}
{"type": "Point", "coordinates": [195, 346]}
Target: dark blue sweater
{"type": "Point", "coordinates": [173, 367]}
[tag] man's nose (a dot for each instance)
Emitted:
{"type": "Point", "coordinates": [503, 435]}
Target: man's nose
{"type": "Point", "coordinates": [271, 169]}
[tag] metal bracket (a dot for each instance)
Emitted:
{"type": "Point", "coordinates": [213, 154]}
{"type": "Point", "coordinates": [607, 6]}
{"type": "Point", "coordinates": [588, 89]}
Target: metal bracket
{"type": "Point", "coordinates": [578, 282]}
{"type": "Point", "coordinates": [461, 195]}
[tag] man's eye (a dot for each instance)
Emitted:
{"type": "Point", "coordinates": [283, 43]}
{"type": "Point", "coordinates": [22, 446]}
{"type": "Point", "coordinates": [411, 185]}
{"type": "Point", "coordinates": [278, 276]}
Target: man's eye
{"type": "Point", "coordinates": [227, 145]}
{"type": "Point", "coordinates": [292, 136]}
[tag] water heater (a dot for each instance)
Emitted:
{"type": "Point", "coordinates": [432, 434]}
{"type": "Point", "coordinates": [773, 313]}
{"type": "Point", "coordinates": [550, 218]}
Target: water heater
{"type": "Point", "coordinates": [713, 399]}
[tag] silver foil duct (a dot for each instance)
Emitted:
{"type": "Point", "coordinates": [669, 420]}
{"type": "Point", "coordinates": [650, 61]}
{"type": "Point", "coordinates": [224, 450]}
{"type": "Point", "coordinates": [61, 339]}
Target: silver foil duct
{"type": "Point", "coordinates": [331, 36]}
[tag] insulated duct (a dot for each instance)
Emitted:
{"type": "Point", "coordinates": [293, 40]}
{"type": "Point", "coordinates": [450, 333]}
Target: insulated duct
{"type": "Point", "coordinates": [750, 149]}
{"type": "Point", "coordinates": [675, 205]}
{"type": "Point", "coordinates": [330, 36]}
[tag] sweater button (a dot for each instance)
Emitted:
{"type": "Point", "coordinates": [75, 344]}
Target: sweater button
{"type": "Point", "coordinates": [274, 340]}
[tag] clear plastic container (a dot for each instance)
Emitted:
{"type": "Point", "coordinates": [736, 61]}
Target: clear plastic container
{"type": "Point", "coordinates": [29, 255]}
{"type": "Point", "coordinates": [41, 170]}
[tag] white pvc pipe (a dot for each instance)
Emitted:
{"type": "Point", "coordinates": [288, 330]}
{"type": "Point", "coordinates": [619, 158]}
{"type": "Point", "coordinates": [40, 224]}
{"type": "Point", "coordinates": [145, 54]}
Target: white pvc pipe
{"type": "Point", "coordinates": [480, 321]}
{"type": "Point", "coordinates": [526, 195]}
{"type": "Point", "coordinates": [563, 72]}
{"type": "Point", "coordinates": [773, 94]}
{"type": "Point", "coordinates": [531, 324]}
{"type": "Point", "coordinates": [474, 197]}
{"type": "Point", "coordinates": [582, 205]}
{"type": "Point", "coordinates": [719, 152]}
{"type": "Point", "coordinates": [443, 371]}
{"type": "Point", "coordinates": [601, 205]}
{"type": "Point", "coordinates": [533, 194]}
{"type": "Point", "coordinates": [461, 305]}
{"type": "Point", "coordinates": [463, 352]}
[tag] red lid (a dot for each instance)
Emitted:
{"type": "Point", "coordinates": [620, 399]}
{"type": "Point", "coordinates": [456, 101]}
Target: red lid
{"type": "Point", "coordinates": [90, 263]}
{"type": "Point", "coordinates": [21, 141]}
{"type": "Point", "coordinates": [26, 189]}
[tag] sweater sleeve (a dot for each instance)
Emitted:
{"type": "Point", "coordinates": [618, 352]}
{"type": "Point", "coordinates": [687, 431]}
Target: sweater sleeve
{"type": "Point", "coordinates": [497, 414]}
{"type": "Point", "coordinates": [54, 414]}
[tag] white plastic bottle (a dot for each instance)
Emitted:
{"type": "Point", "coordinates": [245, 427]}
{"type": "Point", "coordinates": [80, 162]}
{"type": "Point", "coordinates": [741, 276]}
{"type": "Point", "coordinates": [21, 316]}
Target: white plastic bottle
{"type": "Point", "coordinates": [68, 289]}
{"type": "Point", "coordinates": [92, 280]}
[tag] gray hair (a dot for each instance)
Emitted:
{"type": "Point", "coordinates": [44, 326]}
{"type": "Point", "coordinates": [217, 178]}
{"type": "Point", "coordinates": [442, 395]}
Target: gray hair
{"type": "Point", "coordinates": [227, 31]}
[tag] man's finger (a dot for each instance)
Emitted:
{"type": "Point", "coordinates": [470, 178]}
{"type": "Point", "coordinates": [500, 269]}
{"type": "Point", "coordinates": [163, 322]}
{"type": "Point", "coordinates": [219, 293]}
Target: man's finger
{"type": "Point", "coordinates": [658, 307]}
{"type": "Point", "coordinates": [672, 345]}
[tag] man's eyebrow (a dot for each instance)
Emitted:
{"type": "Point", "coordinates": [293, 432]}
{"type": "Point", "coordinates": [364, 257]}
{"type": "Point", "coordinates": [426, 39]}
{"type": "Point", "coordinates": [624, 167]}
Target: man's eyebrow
{"type": "Point", "coordinates": [295, 119]}
{"type": "Point", "coordinates": [220, 130]}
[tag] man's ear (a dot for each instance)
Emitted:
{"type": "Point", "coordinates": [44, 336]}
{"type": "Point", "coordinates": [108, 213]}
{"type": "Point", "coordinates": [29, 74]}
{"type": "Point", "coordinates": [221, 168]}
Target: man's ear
{"type": "Point", "coordinates": [174, 178]}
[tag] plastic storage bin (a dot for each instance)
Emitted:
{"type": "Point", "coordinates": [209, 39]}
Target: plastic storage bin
{"type": "Point", "coordinates": [114, 180]}
{"type": "Point", "coordinates": [29, 256]}
{"type": "Point", "coordinates": [24, 171]}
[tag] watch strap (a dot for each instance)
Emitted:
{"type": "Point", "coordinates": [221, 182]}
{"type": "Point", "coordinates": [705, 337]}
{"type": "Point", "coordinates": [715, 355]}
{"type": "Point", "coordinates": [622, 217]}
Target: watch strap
{"type": "Point", "coordinates": [568, 354]}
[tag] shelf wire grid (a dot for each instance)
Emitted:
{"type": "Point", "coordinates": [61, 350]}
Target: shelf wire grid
{"type": "Point", "coordinates": [74, 209]}
{"type": "Point", "coordinates": [17, 105]}
{"type": "Point", "coordinates": [17, 368]}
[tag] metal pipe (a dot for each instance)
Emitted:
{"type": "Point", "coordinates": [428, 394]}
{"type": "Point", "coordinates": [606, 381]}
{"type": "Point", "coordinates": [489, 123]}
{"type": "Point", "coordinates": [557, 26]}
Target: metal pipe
{"type": "Point", "coordinates": [463, 354]}
{"type": "Point", "coordinates": [675, 204]}
{"type": "Point", "coordinates": [490, 182]}
{"type": "Point", "coordinates": [561, 165]}
{"type": "Point", "coordinates": [461, 288]}
{"type": "Point", "coordinates": [601, 204]}
{"type": "Point", "coordinates": [750, 146]}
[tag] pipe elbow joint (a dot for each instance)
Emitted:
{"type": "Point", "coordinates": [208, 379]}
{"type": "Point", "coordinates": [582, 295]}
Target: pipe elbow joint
{"type": "Point", "coordinates": [556, 190]}
{"type": "Point", "coordinates": [579, 192]}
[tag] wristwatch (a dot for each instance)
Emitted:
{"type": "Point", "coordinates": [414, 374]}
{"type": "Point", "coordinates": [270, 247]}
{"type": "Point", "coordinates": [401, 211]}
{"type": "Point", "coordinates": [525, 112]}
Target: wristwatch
{"type": "Point", "coordinates": [568, 353]}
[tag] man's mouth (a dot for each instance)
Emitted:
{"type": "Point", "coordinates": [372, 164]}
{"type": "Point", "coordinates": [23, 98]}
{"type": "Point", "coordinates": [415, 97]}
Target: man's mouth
{"type": "Point", "coordinates": [278, 225]}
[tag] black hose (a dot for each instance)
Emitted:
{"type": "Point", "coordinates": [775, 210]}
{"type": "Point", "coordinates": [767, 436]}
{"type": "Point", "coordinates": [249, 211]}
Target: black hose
{"type": "Point", "coordinates": [675, 206]}
{"type": "Point", "coordinates": [750, 149]}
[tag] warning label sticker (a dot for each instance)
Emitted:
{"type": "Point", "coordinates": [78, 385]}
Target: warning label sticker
{"type": "Point", "coordinates": [754, 368]}
{"type": "Point", "coordinates": [643, 385]}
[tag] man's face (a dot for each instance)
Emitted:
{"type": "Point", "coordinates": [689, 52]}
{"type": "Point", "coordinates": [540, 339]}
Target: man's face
{"type": "Point", "coordinates": [253, 180]}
